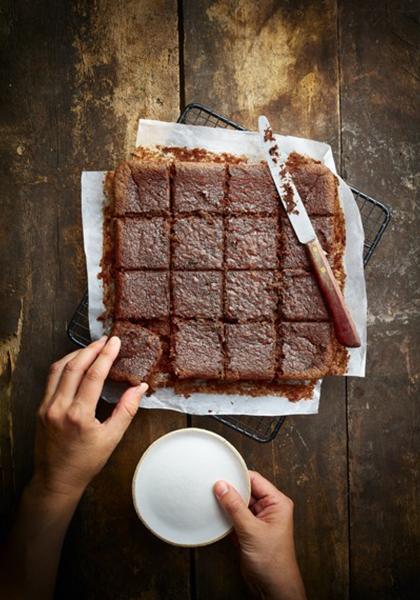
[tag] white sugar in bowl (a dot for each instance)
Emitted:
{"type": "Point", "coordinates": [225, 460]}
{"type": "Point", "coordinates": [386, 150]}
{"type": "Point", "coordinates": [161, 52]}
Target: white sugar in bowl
{"type": "Point", "coordinates": [173, 486]}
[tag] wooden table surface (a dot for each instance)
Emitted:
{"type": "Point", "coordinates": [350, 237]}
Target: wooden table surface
{"type": "Point", "coordinates": [76, 76]}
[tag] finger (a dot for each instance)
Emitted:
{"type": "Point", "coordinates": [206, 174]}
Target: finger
{"type": "Point", "coordinates": [252, 501]}
{"type": "Point", "coordinates": [260, 486]}
{"type": "Point", "coordinates": [54, 375]}
{"type": "Point", "coordinates": [75, 369]}
{"type": "Point", "coordinates": [234, 506]}
{"type": "Point", "coordinates": [270, 500]}
{"type": "Point", "coordinates": [93, 380]}
{"type": "Point", "coordinates": [266, 494]}
{"type": "Point", "coordinates": [125, 411]}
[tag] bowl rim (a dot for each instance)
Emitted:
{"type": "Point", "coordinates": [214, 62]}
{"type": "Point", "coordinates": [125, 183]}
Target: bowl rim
{"type": "Point", "coordinates": [188, 430]}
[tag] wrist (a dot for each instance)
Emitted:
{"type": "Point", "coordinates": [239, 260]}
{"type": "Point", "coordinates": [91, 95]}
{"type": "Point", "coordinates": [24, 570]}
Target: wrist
{"type": "Point", "coordinates": [58, 492]}
{"type": "Point", "coordinates": [276, 579]}
{"type": "Point", "coordinates": [286, 584]}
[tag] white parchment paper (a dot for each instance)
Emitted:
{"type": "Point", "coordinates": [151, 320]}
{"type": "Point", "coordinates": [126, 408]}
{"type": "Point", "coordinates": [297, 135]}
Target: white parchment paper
{"type": "Point", "coordinates": [156, 133]}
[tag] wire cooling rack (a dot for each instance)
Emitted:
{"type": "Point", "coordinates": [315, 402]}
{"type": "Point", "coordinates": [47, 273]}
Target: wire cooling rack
{"type": "Point", "coordinates": [375, 217]}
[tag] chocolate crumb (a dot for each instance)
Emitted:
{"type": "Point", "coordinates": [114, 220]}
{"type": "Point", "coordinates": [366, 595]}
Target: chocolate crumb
{"type": "Point", "coordinates": [268, 134]}
{"type": "Point", "coordinates": [289, 199]}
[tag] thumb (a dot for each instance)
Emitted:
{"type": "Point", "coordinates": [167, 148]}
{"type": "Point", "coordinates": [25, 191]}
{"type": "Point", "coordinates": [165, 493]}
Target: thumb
{"type": "Point", "coordinates": [126, 409]}
{"type": "Point", "coordinates": [234, 506]}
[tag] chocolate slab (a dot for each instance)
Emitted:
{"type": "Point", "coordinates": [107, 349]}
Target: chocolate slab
{"type": "Point", "coordinates": [251, 243]}
{"type": "Point", "coordinates": [142, 295]}
{"type": "Point", "coordinates": [251, 190]}
{"type": "Point", "coordinates": [197, 349]}
{"type": "Point", "coordinates": [210, 264]}
{"type": "Point", "coordinates": [306, 350]}
{"type": "Point", "coordinates": [316, 184]}
{"type": "Point", "coordinates": [251, 351]}
{"type": "Point", "coordinates": [198, 242]}
{"type": "Point", "coordinates": [197, 294]}
{"type": "Point", "coordinates": [199, 187]}
{"type": "Point", "coordinates": [139, 354]}
{"type": "Point", "coordinates": [251, 295]}
{"type": "Point", "coordinates": [126, 194]}
{"type": "Point", "coordinates": [142, 243]}
{"type": "Point", "coordinates": [300, 298]}
{"type": "Point", "coordinates": [294, 253]}
{"type": "Point", "coordinates": [141, 188]}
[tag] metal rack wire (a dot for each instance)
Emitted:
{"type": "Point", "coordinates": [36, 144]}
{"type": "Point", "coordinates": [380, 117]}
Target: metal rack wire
{"type": "Point", "coordinates": [375, 218]}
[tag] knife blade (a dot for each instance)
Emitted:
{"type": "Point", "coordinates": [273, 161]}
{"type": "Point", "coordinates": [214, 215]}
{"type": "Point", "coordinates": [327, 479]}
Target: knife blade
{"type": "Point", "coordinates": [344, 326]}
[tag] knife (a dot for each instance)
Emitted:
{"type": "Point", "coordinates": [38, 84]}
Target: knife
{"type": "Point", "coordinates": [344, 326]}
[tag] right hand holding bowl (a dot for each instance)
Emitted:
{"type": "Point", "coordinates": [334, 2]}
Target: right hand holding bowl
{"type": "Point", "coordinates": [265, 535]}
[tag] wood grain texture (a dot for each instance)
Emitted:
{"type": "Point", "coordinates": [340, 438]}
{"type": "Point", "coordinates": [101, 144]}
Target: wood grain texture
{"type": "Point", "coordinates": [9, 351]}
{"type": "Point", "coordinates": [277, 58]}
{"type": "Point", "coordinates": [311, 467]}
{"type": "Point", "coordinates": [280, 59]}
{"type": "Point", "coordinates": [380, 90]}
{"type": "Point", "coordinates": [76, 78]}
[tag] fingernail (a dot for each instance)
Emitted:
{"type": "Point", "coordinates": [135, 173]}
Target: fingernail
{"type": "Point", "coordinates": [114, 340]}
{"type": "Point", "coordinates": [220, 488]}
{"type": "Point", "coordinates": [142, 388]}
{"type": "Point", "coordinates": [103, 338]}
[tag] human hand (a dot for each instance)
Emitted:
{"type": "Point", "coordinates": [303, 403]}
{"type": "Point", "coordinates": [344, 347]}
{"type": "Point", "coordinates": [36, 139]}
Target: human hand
{"type": "Point", "coordinates": [265, 536]}
{"type": "Point", "coordinates": [72, 445]}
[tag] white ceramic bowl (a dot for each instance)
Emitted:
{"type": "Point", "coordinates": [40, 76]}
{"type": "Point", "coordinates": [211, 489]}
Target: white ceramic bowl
{"type": "Point", "coordinates": [173, 486]}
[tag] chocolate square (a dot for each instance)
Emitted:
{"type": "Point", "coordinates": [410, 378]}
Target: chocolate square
{"type": "Point", "coordinates": [251, 295]}
{"type": "Point", "coordinates": [126, 194]}
{"type": "Point", "coordinates": [306, 350]}
{"type": "Point", "coordinates": [197, 349]}
{"type": "Point", "coordinates": [251, 351]}
{"type": "Point", "coordinates": [198, 242]}
{"type": "Point", "coordinates": [301, 299]}
{"type": "Point", "coordinates": [251, 190]}
{"type": "Point", "coordinates": [141, 188]}
{"type": "Point", "coordinates": [199, 187]}
{"type": "Point", "coordinates": [316, 184]}
{"type": "Point", "coordinates": [197, 294]}
{"type": "Point", "coordinates": [251, 243]}
{"type": "Point", "coordinates": [142, 294]}
{"type": "Point", "coordinates": [142, 243]}
{"type": "Point", "coordinates": [294, 253]}
{"type": "Point", "coordinates": [139, 354]}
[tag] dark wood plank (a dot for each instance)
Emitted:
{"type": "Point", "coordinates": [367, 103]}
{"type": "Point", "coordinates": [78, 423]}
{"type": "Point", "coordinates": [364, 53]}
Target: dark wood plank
{"type": "Point", "coordinates": [75, 79]}
{"type": "Point", "coordinates": [9, 351]}
{"type": "Point", "coordinates": [275, 57]}
{"type": "Point", "coordinates": [380, 88]}
{"type": "Point", "coordinates": [279, 59]}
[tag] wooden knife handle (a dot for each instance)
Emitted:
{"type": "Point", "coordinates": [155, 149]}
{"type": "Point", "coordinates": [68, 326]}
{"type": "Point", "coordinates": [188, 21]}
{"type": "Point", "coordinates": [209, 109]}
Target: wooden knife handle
{"type": "Point", "coordinates": [345, 328]}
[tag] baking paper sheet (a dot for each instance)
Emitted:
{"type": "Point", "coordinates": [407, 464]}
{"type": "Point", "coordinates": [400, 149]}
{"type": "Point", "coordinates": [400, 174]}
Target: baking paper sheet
{"type": "Point", "coordinates": [156, 133]}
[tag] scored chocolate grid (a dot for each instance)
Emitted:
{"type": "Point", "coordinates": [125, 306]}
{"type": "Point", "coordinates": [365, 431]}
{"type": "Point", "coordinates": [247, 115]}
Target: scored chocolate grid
{"type": "Point", "coordinates": [171, 254]}
{"type": "Point", "coordinates": [227, 219]}
{"type": "Point", "coordinates": [225, 197]}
